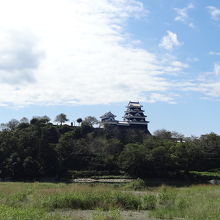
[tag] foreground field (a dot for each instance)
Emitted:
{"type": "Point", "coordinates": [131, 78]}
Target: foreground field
{"type": "Point", "coordinates": [47, 201]}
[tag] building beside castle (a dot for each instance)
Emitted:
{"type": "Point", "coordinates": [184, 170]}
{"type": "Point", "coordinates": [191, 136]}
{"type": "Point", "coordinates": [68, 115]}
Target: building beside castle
{"type": "Point", "coordinates": [134, 117]}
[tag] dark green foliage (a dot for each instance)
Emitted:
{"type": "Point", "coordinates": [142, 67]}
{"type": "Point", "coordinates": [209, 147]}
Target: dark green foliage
{"type": "Point", "coordinates": [132, 159]}
{"type": "Point", "coordinates": [39, 149]}
{"type": "Point", "coordinates": [79, 120]}
{"type": "Point", "coordinates": [39, 120]}
{"type": "Point", "coordinates": [90, 121]}
{"type": "Point", "coordinates": [11, 125]}
{"type": "Point", "coordinates": [61, 118]}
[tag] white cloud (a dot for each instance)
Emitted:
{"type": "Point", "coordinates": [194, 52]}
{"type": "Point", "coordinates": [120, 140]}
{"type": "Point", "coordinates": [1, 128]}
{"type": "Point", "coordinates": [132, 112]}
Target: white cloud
{"type": "Point", "coordinates": [191, 25]}
{"type": "Point", "coordinates": [77, 52]}
{"type": "Point", "coordinates": [214, 12]}
{"type": "Point", "coordinates": [157, 97]}
{"type": "Point", "coordinates": [214, 53]}
{"type": "Point", "coordinates": [192, 59]}
{"type": "Point", "coordinates": [208, 83]}
{"type": "Point", "coordinates": [169, 41]}
{"type": "Point", "coordinates": [216, 70]}
{"type": "Point", "coordinates": [183, 16]}
{"type": "Point", "coordinates": [18, 57]}
{"type": "Point", "coordinates": [211, 89]}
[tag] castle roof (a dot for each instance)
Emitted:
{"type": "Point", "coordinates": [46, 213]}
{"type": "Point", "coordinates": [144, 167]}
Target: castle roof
{"type": "Point", "coordinates": [107, 115]}
{"type": "Point", "coordinates": [134, 104]}
{"type": "Point", "coordinates": [134, 117]}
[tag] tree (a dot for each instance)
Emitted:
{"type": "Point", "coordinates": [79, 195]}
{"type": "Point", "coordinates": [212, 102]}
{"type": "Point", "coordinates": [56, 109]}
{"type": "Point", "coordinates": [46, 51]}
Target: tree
{"type": "Point", "coordinates": [39, 120]}
{"type": "Point", "coordinates": [71, 153]}
{"type": "Point", "coordinates": [210, 145]}
{"type": "Point", "coordinates": [31, 168]}
{"type": "Point", "coordinates": [79, 120]}
{"type": "Point", "coordinates": [163, 134]}
{"type": "Point", "coordinates": [177, 136]}
{"type": "Point", "coordinates": [24, 120]}
{"type": "Point", "coordinates": [91, 121]}
{"type": "Point", "coordinates": [3, 126]}
{"type": "Point", "coordinates": [61, 118]}
{"type": "Point", "coordinates": [45, 119]}
{"type": "Point", "coordinates": [133, 159]}
{"type": "Point", "coordinates": [11, 125]}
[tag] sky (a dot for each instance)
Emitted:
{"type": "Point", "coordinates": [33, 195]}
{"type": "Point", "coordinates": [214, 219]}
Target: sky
{"type": "Point", "coordinates": [83, 57]}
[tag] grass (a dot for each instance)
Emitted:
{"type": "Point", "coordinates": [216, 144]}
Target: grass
{"type": "Point", "coordinates": [50, 201]}
{"type": "Point", "coordinates": [114, 214]}
{"type": "Point", "coordinates": [137, 184]}
{"type": "Point", "coordinates": [196, 202]}
{"type": "Point", "coordinates": [8, 213]}
{"type": "Point", "coordinates": [89, 200]}
{"type": "Point", "coordinates": [210, 175]}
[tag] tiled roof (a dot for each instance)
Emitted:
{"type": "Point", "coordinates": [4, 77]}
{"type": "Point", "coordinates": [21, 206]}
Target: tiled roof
{"type": "Point", "coordinates": [108, 115]}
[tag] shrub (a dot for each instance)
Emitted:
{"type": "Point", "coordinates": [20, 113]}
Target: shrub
{"type": "Point", "coordinates": [127, 201]}
{"type": "Point", "coordinates": [166, 197]}
{"type": "Point", "coordinates": [137, 184]}
{"type": "Point", "coordinates": [105, 200]}
{"type": "Point", "coordinates": [149, 202]}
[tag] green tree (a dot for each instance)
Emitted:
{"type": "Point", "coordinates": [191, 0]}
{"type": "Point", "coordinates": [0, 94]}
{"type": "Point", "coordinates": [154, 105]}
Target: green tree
{"type": "Point", "coordinates": [40, 120]}
{"type": "Point", "coordinates": [61, 118]}
{"type": "Point", "coordinates": [24, 120]}
{"type": "Point", "coordinates": [210, 145]}
{"type": "Point", "coordinates": [163, 134]}
{"type": "Point", "coordinates": [185, 156]}
{"type": "Point", "coordinates": [70, 153]}
{"type": "Point", "coordinates": [132, 159]}
{"type": "Point", "coordinates": [79, 120]}
{"type": "Point", "coordinates": [31, 168]}
{"type": "Point", "coordinates": [11, 125]}
{"type": "Point", "coordinates": [91, 121]}
{"type": "Point", "coordinates": [45, 119]}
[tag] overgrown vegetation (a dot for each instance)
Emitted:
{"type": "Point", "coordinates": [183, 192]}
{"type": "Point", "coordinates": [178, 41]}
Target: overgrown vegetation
{"type": "Point", "coordinates": [49, 201]}
{"type": "Point", "coordinates": [40, 150]}
{"type": "Point", "coordinates": [196, 202]}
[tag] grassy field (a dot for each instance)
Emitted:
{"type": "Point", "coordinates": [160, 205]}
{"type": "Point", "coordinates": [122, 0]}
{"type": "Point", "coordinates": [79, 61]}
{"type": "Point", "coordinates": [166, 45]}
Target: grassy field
{"type": "Point", "coordinates": [25, 201]}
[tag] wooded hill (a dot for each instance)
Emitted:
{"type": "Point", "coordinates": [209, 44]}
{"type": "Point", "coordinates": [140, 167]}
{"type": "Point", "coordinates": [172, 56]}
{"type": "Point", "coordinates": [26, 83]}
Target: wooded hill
{"type": "Point", "coordinates": [39, 150]}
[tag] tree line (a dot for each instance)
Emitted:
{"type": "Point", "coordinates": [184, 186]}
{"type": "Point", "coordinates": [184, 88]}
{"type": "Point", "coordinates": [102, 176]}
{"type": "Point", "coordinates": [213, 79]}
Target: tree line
{"type": "Point", "coordinates": [38, 149]}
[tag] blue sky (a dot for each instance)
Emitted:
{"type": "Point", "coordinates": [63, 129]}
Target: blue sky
{"type": "Point", "coordinates": [83, 57]}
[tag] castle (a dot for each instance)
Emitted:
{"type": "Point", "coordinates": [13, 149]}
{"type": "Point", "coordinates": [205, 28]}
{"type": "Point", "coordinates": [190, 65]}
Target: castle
{"type": "Point", "coordinates": [133, 118]}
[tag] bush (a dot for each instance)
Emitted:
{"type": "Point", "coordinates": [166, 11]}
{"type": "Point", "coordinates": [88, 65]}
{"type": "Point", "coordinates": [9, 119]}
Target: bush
{"type": "Point", "coordinates": [149, 202]}
{"type": "Point", "coordinates": [105, 200]}
{"type": "Point", "coordinates": [127, 201]}
{"type": "Point", "coordinates": [166, 197]}
{"type": "Point", "coordinates": [137, 184]}
{"type": "Point", "coordinates": [90, 173]}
